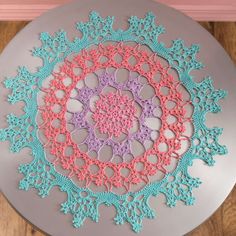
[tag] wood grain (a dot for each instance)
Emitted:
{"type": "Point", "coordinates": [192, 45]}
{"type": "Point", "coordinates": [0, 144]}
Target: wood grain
{"type": "Point", "coordinates": [222, 223]}
{"type": "Point", "coordinates": [8, 29]}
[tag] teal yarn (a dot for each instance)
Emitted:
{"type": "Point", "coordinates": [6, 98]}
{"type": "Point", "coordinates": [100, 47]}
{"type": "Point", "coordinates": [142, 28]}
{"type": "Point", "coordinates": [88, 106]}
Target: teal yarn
{"type": "Point", "coordinates": [82, 203]}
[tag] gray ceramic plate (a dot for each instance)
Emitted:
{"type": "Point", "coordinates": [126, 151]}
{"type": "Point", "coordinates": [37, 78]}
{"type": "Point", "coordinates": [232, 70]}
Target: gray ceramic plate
{"type": "Point", "coordinates": [217, 181]}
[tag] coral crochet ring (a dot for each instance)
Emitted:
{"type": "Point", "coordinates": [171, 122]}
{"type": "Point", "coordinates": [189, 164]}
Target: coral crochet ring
{"type": "Point", "coordinates": [114, 117]}
{"type": "Point", "coordinates": [114, 114]}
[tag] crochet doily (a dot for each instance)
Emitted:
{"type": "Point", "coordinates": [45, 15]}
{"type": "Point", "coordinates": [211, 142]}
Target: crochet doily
{"type": "Point", "coordinates": [113, 117]}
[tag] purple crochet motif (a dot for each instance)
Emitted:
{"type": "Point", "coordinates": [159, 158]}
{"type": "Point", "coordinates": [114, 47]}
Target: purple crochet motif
{"type": "Point", "coordinates": [132, 84]}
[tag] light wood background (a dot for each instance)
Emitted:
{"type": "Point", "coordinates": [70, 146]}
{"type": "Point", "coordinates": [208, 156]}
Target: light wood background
{"type": "Point", "coordinates": [222, 223]}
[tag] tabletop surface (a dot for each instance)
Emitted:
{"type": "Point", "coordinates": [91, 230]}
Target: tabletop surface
{"type": "Point", "coordinates": [44, 212]}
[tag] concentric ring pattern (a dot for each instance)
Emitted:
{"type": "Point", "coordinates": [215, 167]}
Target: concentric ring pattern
{"type": "Point", "coordinates": [88, 108]}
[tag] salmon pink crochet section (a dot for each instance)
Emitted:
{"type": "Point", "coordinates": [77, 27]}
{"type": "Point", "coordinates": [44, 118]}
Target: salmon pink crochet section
{"type": "Point", "coordinates": [114, 114]}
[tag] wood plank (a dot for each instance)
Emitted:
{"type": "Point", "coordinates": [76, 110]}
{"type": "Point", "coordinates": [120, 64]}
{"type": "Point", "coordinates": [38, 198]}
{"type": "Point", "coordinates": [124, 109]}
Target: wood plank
{"type": "Point", "coordinates": [223, 222]}
{"type": "Point", "coordinates": [10, 222]}
{"type": "Point", "coordinates": [8, 30]}
{"type": "Point", "coordinates": [211, 10]}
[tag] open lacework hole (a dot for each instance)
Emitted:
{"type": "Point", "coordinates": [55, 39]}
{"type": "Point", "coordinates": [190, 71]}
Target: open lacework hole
{"type": "Point", "coordinates": [116, 114]}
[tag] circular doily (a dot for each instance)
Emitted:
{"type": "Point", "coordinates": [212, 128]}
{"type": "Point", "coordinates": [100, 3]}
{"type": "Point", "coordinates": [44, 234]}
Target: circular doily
{"type": "Point", "coordinates": [113, 117]}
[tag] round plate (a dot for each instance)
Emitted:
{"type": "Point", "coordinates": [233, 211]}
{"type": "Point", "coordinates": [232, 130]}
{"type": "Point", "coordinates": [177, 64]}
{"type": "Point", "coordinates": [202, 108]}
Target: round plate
{"type": "Point", "coordinates": [217, 181]}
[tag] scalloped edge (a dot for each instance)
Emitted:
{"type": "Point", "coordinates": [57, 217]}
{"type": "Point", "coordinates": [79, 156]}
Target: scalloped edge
{"type": "Point", "coordinates": [40, 174]}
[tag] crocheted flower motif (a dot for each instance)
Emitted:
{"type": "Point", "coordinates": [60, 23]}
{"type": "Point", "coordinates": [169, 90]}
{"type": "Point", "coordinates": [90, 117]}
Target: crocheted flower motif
{"type": "Point", "coordinates": [115, 112]}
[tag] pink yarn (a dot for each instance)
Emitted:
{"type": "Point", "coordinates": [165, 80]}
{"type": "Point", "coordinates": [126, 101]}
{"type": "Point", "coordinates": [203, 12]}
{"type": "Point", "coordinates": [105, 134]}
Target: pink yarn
{"type": "Point", "coordinates": [114, 114]}
{"type": "Point", "coordinates": [84, 170]}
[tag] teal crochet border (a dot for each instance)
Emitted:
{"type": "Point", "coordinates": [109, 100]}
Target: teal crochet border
{"type": "Point", "coordinates": [83, 203]}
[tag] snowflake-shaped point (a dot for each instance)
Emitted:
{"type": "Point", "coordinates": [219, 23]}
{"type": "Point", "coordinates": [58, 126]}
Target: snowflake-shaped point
{"type": "Point", "coordinates": [183, 58]}
{"type": "Point", "coordinates": [206, 97]}
{"type": "Point", "coordinates": [145, 29]}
